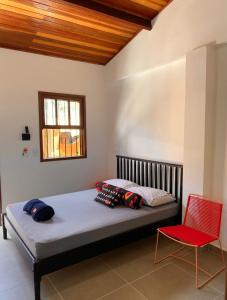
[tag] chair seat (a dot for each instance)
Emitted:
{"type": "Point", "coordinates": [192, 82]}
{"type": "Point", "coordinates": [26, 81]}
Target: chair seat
{"type": "Point", "coordinates": [188, 235]}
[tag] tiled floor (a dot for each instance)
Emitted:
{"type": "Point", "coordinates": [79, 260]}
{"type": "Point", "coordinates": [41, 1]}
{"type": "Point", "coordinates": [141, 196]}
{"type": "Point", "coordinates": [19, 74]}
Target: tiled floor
{"type": "Point", "coordinates": [127, 273]}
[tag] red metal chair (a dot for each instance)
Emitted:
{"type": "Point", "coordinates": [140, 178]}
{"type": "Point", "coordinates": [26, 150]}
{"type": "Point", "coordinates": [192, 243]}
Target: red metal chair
{"type": "Point", "coordinates": [201, 226]}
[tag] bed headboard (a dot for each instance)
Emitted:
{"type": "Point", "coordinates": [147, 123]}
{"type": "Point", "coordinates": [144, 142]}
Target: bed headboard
{"type": "Point", "coordinates": [156, 174]}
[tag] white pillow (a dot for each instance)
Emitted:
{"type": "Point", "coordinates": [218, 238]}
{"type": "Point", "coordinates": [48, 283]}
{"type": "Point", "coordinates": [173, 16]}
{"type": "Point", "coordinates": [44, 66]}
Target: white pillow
{"type": "Point", "coordinates": [152, 197]}
{"type": "Point", "coordinates": [122, 183]}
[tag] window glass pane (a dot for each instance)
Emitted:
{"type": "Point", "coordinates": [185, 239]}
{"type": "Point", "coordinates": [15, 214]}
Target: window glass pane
{"type": "Point", "coordinates": [56, 146]}
{"type": "Point", "coordinates": [49, 112]}
{"type": "Point", "coordinates": [60, 143]}
{"type": "Point", "coordinates": [75, 113]}
{"type": "Point", "coordinates": [65, 142]}
{"type": "Point", "coordinates": [50, 134]}
{"type": "Point", "coordinates": [63, 112]}
{"type": "Point", "coordinates": [48, 143]}
{"type": "Point", "coordinates": [76, 144]}
{"type": "Point", "coordinates": [69, 143]}
{"type": "Point", "coordinates": [45, 143]}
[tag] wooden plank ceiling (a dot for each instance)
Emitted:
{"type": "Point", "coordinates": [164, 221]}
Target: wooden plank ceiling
{"type": "Point", "coordinates": [90, 31]}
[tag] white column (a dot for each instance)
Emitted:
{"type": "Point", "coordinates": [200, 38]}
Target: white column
{"type": "Point", "coordinates": [199, 120]}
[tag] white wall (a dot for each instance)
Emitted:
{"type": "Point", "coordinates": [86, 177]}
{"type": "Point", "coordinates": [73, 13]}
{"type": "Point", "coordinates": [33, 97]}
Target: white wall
{"type": "Point", "coordinates": [147, 114]}
{"type": "Point", "coordinates": [22, 76]}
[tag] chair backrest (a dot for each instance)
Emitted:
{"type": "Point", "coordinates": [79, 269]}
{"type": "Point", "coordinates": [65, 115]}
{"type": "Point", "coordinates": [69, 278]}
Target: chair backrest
{"type": "Point", "coordinates": [203, 215]}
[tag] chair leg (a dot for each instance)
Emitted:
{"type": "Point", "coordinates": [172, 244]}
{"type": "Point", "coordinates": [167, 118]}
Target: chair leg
{"type": "Point", "coordinates": [172, 254]}
{"type": "Point", "coordinates": [222, 253]}
{"type": "Point", "coordinates": [196, 267]}
{"type": "Point", "coordinates": [156, 248]}
{"type": "Point", "coordinates": [211, 276]}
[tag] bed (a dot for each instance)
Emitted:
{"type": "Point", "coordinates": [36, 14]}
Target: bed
{"type": "Point", "coordinates": [83, 228]}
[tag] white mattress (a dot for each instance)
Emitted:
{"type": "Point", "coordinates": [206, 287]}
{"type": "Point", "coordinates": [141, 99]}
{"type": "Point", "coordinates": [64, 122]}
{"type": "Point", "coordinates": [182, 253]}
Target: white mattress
{"type": "Point", "coordinates": [79, 220]}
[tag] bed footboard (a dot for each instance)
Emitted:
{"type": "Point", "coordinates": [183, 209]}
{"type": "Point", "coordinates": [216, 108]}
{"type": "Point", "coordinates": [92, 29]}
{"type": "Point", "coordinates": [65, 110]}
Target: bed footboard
{"type": "Point", "coordinates": [4, 230]}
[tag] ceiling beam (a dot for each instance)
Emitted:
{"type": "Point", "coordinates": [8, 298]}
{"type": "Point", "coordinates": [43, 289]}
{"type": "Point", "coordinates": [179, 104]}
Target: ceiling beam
{"type": "Point", "coordinates": [114, 12]}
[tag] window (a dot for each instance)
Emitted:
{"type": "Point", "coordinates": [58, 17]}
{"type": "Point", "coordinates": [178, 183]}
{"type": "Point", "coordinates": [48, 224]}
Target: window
{"type": "Point", "coordinates": [62, 126]}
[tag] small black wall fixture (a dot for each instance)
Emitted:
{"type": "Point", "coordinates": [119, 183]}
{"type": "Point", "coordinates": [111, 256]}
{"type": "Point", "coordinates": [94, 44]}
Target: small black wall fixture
{"type": "Point", "coordinates": [26, 136]}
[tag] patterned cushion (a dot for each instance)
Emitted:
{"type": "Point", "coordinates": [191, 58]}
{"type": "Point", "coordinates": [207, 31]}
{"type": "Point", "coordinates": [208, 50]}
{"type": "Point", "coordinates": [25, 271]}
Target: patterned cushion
{"type": "Point", "coordinates": [109, 195]}
{"type": "Point", "coordinates": [112, 196]}
{"type": "Point", "coordinates": [99, 185]}
{"type": "Point", "coordinates": [132, 200]}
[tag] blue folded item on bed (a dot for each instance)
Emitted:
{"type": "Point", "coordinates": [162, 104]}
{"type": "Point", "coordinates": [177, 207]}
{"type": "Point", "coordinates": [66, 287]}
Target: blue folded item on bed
{"type": "Point", "coordinates": [29, 205]}
{"type": "Point", "coordinates": [39, 210]}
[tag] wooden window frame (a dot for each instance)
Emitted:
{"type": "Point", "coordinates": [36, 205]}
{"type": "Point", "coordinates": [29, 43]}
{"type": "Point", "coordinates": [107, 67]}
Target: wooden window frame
{"type": "Point", "coordinates": [82, 127]}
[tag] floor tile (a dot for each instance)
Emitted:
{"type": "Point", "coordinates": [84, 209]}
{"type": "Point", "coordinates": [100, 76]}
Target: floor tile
{"type": "Point", "coordinates": [218, 282]}
{"type": "Point", "coordinates": [131, 270]}
{"type": "Point", "coordinates": [86, 281]}
{"type": "Point", "coordinates": [125, 293]}
{"type": "Point", "coordinates": [135, 251]}
{"type": "Point", "coordinates": [26, 292]}
{"type": "Point", "coordinates": [15, 271]}
{"type": "Point", "coordinates": [17, 292]}
{"type": "Point", "coordinates": [125, 254]}
{"type": "Point", "coordinates": [221, 297]}
{"type": "Point", "coordinates": [172, 283]}
{"type": "Point", "coordinates": [211, 262]}
{"type": "Point", "coordinates": [136, 260]}
{"type": "Point", "coordinates": [48, 291]}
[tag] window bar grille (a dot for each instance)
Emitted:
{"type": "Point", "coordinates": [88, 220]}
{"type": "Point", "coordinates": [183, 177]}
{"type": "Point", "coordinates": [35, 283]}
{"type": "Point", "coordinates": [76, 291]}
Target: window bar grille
{"type": "Point", "coordinates": [65, 144]}
{"type": "Point", "coordinates": [81, 143]}
{"type": "Point", "coordinates": [56, 112]}
{"type": "Point", "coordinates": [53, 149]}
{"type": "Point", "coordinates": [59, 143]}
{"type": "Point", "coordinates": [47, 142]}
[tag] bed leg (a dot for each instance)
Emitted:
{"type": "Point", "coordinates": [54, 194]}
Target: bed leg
{"type": "Point", "coordinates": [37, 284]}
{"type": "Point", "coordinates": [4, 227]}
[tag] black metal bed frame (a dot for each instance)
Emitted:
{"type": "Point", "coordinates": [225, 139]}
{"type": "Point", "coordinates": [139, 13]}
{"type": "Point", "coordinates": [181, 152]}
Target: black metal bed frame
{"type": "Point", "coordinates": [155, 174]}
